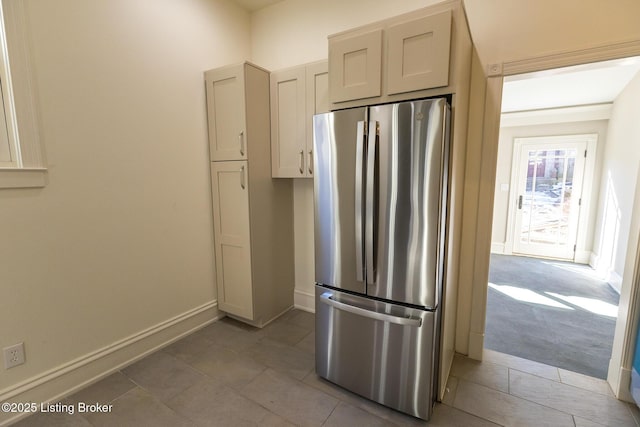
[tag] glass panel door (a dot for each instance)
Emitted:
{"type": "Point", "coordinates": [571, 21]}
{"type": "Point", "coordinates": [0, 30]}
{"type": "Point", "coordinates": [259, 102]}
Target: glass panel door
{"type": "Point", "coordinates": [549, 190]}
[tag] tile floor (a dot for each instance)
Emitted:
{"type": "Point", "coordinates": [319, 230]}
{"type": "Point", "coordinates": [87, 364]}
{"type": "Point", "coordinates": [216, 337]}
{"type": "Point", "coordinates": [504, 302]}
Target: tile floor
{"type": "Point", "coordinates": [228, 374]}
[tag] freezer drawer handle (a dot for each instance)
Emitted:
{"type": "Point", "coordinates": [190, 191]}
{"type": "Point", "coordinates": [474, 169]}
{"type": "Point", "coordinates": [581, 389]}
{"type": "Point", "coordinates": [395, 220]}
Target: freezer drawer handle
{"type": "Point", "coordinates": [326, 298]}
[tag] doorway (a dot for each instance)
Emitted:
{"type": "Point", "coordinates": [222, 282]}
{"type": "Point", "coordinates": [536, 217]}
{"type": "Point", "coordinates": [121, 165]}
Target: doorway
{"type": "Point", "coordinates": [551, 236]}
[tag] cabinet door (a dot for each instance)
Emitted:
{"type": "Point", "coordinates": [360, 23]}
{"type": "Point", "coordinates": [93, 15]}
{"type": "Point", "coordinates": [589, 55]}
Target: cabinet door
{"type": "Point", "coordinates": [317, 102]}
{"type": "Point", "coordinates": [229, 185]}
{"type": "Point", "coordinates": [226, 111]}
{"type": "Point", "coordinates": [354, 66]}
{"type": "Point", "coordinates": [418, 54]}
{"type": "Point", "coordinates": [288, 123]}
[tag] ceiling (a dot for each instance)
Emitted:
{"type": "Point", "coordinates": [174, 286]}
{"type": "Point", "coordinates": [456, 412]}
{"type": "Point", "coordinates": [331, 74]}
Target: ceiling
{"type": "Point", "coordinates": [594, 83]}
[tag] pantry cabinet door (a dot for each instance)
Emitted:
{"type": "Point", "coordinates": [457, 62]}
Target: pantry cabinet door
{"type": "Point", "coordinates": [226, 111]}
{"type": "Point", "coordinates": [288, 123]}
{"type": "Point", "coordinates": [418, 54]}
{"type": "Point", "coordinates": [229, 183]}
{"type": "Point", "coordinates": [317, 102]}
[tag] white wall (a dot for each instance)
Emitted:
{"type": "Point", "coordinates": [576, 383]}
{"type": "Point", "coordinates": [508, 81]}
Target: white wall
{"type": "Point", "coordinates": [618, 179]}
{"type": "Point", "coordinates": [295, 32]}
{"type": "Point", "coordinates": [505, 159]}
{"type": "Point", "coordinates": [120, 240]}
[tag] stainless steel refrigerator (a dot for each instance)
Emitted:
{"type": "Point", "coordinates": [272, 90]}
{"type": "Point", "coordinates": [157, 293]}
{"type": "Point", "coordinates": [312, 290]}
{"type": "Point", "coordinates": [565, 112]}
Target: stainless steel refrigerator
{"type": "Point", "coordinates": [380, 213]}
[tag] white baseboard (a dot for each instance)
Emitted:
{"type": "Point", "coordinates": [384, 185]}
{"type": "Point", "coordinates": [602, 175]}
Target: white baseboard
{"type": "Point", "coordinates": [624, 389]}
{"type": "Point", "coordinates": [583, 257]}
{"type": "Point", "coordinates": [497, 248]}
{"type": "Point", "coordinates": [476, 345]}
{"type": "Point", "coordinates": [615, 281]}
{"type": "Point", "coordinates": [593, 260]}
{"type": "Point", "coordinates": [66, 379]}
{"type": "Point", "coordinates": [304, 301]}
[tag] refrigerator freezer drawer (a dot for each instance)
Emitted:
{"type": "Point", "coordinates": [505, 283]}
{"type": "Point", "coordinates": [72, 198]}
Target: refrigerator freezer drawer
{"type": "Point", "coordinates": [384, 352]}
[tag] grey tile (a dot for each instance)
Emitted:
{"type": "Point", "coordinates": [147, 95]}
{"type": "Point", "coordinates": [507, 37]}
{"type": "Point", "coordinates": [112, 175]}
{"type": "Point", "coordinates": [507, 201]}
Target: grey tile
{"type": "Point", "coordinates": [585, 382]}
{"type": "Point", "coordinates": [138, 408]}
{"type": "Point", "coordinates": [635, 412]}
{"type": "Point", "coordinates": [227, 366]}
{"type": "Point", "coordinates": [104, 391]}
{"type": "Point", "coordinates": [301, 318]}
{"type": "Point", "coordinates": [190, 346]}
{"type": "Point", "coordinates": [483, 373]}
{"type": "Point", "coordinates": [524, 365]}
{"type": "Point", "coordinates": [581, 422]}
{"type": "Point", "coordinates": [285, 332]}
{"type": "Point", "coordinates": [283, 358]}
{"type": "Point", "coordinates": [308, 343]}
{"type": "Point", "coordinates": [55, 419]}
{"type": "Point", "coordinates": [291, 399]}
{"type": "Point", "coordinates": [505, 409]}
{"type": "Point", "coordinates": [163, 375]}
{"type": "Point", "coordinates": [231, 334]}
{"type": "Point", "coordinates": [347, 415]}
{"type": "Point", "coordinates": [582, 403]}
{"type": "Point", "coordinates": [209, 403]}
{"type": "Point", "coordinates": [450, 391]}
{"type": "Point", "coordinates": [446, 416]}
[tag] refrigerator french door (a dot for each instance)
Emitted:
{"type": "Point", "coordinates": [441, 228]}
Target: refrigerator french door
{"type": "Point", "coordinates": [380, 212]}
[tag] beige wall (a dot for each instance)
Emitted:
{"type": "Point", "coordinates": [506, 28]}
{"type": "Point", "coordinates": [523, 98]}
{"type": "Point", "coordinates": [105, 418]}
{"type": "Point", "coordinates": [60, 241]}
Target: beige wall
{"type": "Point", "coordinates": [120, 240]}
{"type": "Point", "coordinates": [619, 174]}
{"type": "Point", "coordinates": [505, 159]}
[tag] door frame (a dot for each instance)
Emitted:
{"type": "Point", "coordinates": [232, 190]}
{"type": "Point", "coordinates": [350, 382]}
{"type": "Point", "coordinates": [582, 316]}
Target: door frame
{"type": "Point", "coordinates": [472, 338]}
{"type": "Point", "coordinates": [581, 255]}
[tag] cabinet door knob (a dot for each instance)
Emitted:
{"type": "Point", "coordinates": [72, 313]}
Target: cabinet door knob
{"type": "Point", "coordinates": [241, 138]}
{"type": "Point", "coordinates": [301, 161]}
{"type": "Point", "coordinates": [242, 183]}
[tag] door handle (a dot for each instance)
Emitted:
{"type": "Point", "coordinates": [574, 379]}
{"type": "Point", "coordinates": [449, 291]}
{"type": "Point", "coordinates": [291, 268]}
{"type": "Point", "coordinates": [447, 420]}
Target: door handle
{"type": "Point", "coordinates": [242, 181]}
{"type": "Point", "coordinates": [360, 139]}
{"type": "Point", "coordinates": [310, 162]}
{"type": "Point", "coordinates": [371, 201]}
{"type": "Point", "coordinates": [327, 298]}
{"type": "Point", "coordinates": [301, 168]}
{"type": "Point", "coordinates": [520, 202]}
{"type": "Point", "coordinates": [241, 138]}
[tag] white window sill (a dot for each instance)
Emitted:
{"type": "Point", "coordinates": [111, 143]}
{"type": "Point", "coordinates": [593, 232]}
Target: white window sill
{"type": "Point", "coordinates": [23, 178]}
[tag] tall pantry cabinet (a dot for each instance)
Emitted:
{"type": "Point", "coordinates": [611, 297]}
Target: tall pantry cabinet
{"type": "Point", "coordinates": [252, 213]}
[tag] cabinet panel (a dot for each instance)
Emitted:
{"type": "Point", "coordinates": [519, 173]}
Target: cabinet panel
{"type": "Point", "coordinates": [229, 186]}
{"type": "Point", "coordinates": [288, 123]}
{"type": "Point", "coordinates": [355, 66]}
{"type": "Point", "coordinates": [226, 112]}
{"type": "Point", "coordinates": [418, 54]}
{"type": "Point", "coordinates": [317, 102]}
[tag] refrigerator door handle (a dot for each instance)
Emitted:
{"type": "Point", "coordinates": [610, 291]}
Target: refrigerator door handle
{"type": "Point", "coordinates": [371, 201]}
{"type": "Point", "coordinates": [361, 135]}
{"type": "Point", "coordinates": [326, 298]}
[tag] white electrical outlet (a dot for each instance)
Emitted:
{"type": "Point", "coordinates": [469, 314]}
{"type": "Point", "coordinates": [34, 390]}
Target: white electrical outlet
{"type": "Point", "coordinates": [14, 355]}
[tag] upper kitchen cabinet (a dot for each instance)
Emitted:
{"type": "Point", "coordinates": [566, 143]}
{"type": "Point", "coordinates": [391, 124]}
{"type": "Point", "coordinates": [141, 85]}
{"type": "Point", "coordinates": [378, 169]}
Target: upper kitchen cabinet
{"type": "Point", "coordinates": [355, 63]}
{"type": "Point", "coordinates": [416, 55]}
{"type": "Point", "coordinates": [296, 95]}
{"type": "Point", "coordinates": [227, 104]}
